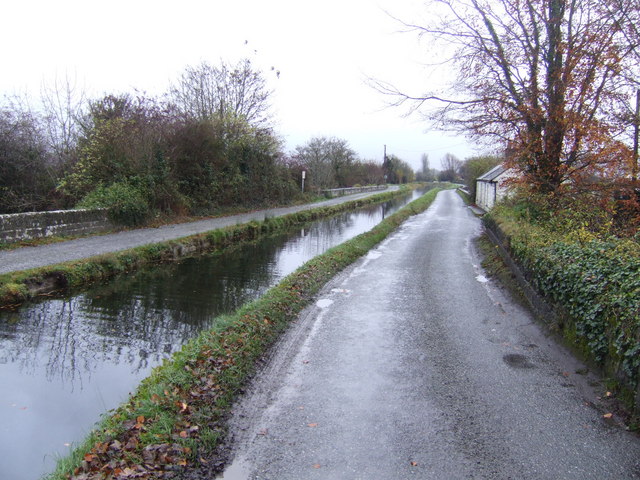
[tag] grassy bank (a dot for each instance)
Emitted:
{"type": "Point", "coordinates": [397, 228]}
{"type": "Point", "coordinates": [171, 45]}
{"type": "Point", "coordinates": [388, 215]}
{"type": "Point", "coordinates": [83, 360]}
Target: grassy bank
{"type": "Point", "coordinates": [17, 287]}
{"type": "Point", "coordinates": [593, 281]}
{"type": "Point", "coordinates": [177, 416]}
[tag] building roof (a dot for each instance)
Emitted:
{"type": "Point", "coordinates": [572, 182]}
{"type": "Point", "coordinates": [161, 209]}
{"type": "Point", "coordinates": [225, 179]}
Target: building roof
{"type": "Point", "coordinates": [492, 174]}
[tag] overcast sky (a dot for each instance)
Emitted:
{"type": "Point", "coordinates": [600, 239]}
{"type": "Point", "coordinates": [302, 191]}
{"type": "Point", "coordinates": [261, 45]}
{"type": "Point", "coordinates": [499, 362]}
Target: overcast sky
{"type": "Point", "coordinates": [324, 52]}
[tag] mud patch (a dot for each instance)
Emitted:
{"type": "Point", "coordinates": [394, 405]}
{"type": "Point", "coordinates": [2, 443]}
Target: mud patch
{"type": "Point", "coordinates": [516, 360]}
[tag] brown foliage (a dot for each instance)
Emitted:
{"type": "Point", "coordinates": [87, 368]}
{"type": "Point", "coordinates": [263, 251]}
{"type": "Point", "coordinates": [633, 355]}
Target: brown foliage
{"type": "Point", "coordinates": [551, 79]}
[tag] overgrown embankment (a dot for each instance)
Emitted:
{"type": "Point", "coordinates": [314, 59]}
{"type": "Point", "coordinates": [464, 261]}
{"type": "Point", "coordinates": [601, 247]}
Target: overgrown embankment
{"type": "Point", "coordinates": [593, 282]}
{"type": "Point", "coordinates": [17, 287]}
{"type": "Point", "coordinates": [176, 418]}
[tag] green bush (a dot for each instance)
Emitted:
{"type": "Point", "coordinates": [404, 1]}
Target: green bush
{"type": "Point", "coordinates": [126, 203]}
{"type": "Point", "coordinates": [599, 286]}
{"type": "Point", "coordinates": [592, 276]}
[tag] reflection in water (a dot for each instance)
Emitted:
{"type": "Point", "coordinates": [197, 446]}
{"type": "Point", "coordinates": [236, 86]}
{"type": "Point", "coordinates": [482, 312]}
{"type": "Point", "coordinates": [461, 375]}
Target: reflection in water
{"type": "Point", "coordinates": [63, 362]}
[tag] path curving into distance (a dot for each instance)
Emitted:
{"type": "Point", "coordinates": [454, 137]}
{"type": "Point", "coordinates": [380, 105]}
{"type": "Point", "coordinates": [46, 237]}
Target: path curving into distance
{"type": "Point", "coordinates": [411, 364]}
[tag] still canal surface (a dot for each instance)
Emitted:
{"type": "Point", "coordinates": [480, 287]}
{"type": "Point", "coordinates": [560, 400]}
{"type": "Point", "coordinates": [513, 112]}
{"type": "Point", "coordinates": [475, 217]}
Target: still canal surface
{"type": "Point", "coordinates": [66, 361]}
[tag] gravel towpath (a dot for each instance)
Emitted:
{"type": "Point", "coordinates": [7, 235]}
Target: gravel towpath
{"type": "Point", "coordinates": [40, 256]}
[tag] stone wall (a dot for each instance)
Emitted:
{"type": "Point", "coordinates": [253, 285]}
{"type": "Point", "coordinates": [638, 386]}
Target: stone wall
{"type": "Point", "coordinates": [340, 192]}
{"type": "Point", "coordinates": [28, 226]}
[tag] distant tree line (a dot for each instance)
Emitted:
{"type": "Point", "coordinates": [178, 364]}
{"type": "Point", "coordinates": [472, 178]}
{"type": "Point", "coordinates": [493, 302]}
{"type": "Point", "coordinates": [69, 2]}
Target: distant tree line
{"type": "Point", "coordinates": [208, 143]}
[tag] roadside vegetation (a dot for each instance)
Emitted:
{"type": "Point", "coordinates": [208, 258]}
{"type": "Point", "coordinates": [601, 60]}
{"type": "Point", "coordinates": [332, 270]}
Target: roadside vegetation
{"type": "Point", "coordinates": [176, 418]}
{"type": "Point", "coordinates": [590, 271]}
{"type": "Point", "coordinates": [205, 146]}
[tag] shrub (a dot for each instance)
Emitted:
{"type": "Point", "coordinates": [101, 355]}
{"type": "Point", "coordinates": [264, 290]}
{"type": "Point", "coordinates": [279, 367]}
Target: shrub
{"type": "Point", "coordinates": [126, 204]}
{"type": "Point", "coordinates": [593, 276]}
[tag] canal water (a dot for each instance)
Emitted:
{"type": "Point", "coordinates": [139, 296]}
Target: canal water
{"type": "Point", "coordinates": [66, 361]}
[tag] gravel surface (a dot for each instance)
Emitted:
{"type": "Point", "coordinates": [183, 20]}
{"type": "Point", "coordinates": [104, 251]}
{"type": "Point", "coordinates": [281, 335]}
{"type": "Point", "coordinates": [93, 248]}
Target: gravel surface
{"type": "Point", "coordinates": [40, 256]}
{"type": "Point", "coordinates": [412, 365]}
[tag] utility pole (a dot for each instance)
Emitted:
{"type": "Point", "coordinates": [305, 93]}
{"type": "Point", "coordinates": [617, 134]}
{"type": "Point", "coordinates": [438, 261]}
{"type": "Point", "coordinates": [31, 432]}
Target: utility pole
{"type": "Point", "coordinates": [385, 166]}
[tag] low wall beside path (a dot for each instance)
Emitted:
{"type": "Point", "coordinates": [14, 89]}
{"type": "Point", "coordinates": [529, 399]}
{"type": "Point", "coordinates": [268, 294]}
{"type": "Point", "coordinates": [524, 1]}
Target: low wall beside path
{"type": "Point", "coordinates": [339, 192]}
{"type": "Point", "coordinates": [18, 227]}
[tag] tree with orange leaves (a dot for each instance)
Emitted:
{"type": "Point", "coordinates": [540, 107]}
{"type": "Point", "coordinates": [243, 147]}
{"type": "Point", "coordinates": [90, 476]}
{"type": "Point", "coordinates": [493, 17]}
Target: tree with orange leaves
{"type": "Point", "coordinates": [551, 79]}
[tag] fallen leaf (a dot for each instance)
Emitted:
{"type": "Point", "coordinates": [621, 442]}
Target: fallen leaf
{"type": "Point", "coordinates": [132, 444]}
{"type": "Point", "coordinates": [101, 447]}
{"type": "Point", "coordinates": [140, 419]}
{"type": "Point", "coordinates": [312, 425]}
{"type": "Point", "coordinates": [608, 415]}
{"type": "Point", "coordinates": [264, 431]}
{"type": "Point", "coordinates": [316, 465]}
{"type": "Point", "coordinates": [608, 394]}
{"type": "Point", "coordinates": [184, 434]}
{"type": "Point", "coordinates": [414, 464]}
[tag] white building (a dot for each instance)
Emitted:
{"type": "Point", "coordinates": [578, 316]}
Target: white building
{"type": "Point", "coordinates": [491, 187]}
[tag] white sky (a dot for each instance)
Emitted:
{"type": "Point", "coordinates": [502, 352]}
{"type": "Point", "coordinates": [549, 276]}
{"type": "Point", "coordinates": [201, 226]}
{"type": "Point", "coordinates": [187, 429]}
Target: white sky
{"type": "Point", "coordinates": [324, 50]}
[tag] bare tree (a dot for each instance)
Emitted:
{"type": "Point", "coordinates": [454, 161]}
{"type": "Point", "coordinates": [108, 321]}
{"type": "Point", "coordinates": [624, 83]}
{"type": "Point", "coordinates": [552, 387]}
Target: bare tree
{"type": "Point", "coordinates": [26, 174]}
{"type": "Point", "coordinates": [206, 92]}
{"type": "Point", "coordinates": [451, 166]}
{"type": "Point", "coordinates": [426, 174]}
{"type": "Point", "coordinates": [328, 161]}
{"type": "Point", "coordinates": [548, 78]}
{"type": "Point", "coordinates": [63, 101]}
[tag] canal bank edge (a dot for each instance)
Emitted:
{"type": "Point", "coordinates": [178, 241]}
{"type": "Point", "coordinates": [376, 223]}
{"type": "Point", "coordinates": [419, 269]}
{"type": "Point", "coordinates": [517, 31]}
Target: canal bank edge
{"type": "Point", "coordinates": [18, 287]}
{"type": "Point", "coordinates": [177, 416]}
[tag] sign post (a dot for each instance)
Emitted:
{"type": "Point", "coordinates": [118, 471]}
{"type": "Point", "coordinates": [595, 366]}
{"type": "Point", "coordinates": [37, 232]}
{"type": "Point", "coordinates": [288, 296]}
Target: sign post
{"type": "Point", "coordinates": [304, 174]}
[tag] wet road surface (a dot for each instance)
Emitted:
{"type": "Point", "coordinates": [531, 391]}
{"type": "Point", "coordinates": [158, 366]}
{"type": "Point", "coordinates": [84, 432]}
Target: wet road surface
{"type": "Point", "coordinates": [411, 365]}
{"type": "Point", "coordinates": [43, 255]}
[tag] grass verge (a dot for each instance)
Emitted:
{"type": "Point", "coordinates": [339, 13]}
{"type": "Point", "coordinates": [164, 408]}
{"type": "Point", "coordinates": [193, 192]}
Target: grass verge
{"type": "Point", "coordinates": [177, 417]}
{"type": "Point", "coordinates": [18, 287]}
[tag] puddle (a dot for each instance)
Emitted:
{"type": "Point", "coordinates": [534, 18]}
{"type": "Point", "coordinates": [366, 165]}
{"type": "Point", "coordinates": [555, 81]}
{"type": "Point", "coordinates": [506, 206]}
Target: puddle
{"type": "Point", "coordinates": [238, 470]}
{"type": "Point", "coordinates": [324, 303]}
{"type": "Point", "coordinates": [516, 360]}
